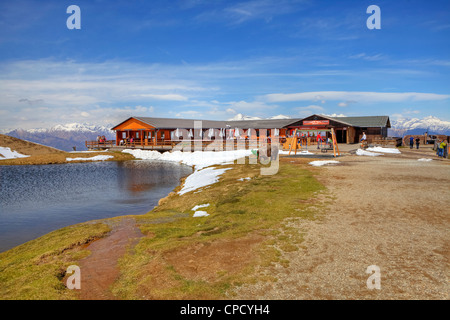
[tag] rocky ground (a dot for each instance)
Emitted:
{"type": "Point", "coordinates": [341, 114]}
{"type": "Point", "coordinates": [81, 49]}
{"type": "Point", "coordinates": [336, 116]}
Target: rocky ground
{"type": "Point", "coordinates": [390, 211]}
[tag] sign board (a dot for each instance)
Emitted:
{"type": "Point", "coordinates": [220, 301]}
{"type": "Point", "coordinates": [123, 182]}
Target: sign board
{"type": "Point", "coordinates": [315, 122]}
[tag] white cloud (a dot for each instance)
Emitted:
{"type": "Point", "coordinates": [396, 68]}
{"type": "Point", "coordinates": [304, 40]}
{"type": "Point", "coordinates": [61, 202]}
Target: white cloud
{"type": "Point", "coordinates": [355, 96]}
{"type": "Point", "coordinates": [172, 97]}
{"type": "Point", "coordinates": [308, 110]}
{"type": "Point", "coordinates": [249, 106]}
{"type": "Point", "coordinates": [335, 115]}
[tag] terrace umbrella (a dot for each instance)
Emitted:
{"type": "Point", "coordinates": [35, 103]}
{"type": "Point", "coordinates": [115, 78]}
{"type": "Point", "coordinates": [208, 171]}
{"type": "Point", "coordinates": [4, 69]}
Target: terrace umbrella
{"type": "Point", "coordinates": [237, 134]}
{"type": "Point", "coordinates": [211, 133]}
{"type": "Point", "coordinates": [276, 132]}
{"type": "Point", "coordinates": [190, 135]}
{"type": "Point", "coordinates": [177, 133]}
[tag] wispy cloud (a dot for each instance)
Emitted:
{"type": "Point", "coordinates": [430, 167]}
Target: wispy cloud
{"type": "Point", "coordinates": [356, 96]}
{"type": "Point", "coordinates": [239, 13]}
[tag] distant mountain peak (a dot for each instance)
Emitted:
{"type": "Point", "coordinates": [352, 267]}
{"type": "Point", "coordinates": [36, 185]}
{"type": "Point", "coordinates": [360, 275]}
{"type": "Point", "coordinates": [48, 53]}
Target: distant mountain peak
{"type": "Point", "coordinates": [432, 124]}
{"type": "Point", "coordinates": [64, 136]}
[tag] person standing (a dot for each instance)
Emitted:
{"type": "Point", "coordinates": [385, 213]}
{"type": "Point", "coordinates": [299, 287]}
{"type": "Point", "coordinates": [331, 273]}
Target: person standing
{"type": "Point", "coordinates": [442, 147]}
{"type": "Point", "coordinates": [417, 142]}
{"type": "Point", "coordinates": [411, 142]}
{"type": "Point", "coordinates": [319, 140]}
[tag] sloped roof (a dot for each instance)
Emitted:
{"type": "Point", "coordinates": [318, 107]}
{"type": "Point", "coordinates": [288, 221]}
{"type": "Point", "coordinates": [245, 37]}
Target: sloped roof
{"type": "Point", "coordinates": [367, 121]}
{"type": "Point", "coordinates": [261, 124]}
{"type": "Point", "coordinates": [173, 123]}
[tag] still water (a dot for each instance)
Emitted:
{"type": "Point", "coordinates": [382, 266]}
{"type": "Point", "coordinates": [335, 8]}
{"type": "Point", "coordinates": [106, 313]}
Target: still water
{"type": "Point", "coordinates": [35, 200]}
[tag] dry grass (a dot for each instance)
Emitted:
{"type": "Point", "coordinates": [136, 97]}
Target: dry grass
{"type": "Point", "coordinates": [40, 154]}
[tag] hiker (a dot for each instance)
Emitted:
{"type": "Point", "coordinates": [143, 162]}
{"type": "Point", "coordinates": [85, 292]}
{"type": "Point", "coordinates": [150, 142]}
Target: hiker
{"type": "Point", "coordinates": [417, 142]}
{"type": "Point", "coordinates": [441, 149]}
{"type": "Point", "coordinates": [319, 140]}
{"type": "Point", "coordinates": [411, 142]}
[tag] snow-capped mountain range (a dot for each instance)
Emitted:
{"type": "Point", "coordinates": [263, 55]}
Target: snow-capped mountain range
{"type": "Point", "coordinates": [67, 136]}
{"type": "Point", "coordinates": [430, 124]}
{"type": "Point", "coordinates": [64, 137]}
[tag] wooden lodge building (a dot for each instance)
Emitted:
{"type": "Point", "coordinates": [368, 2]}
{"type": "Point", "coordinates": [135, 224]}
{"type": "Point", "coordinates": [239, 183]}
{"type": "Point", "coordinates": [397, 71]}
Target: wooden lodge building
{"type": "Point", "coordinates": [146, 132]}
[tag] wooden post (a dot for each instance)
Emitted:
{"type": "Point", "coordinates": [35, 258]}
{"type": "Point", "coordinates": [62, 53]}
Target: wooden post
{"type": "Point", "coordinates": [294, 141]}
{"type": "Point", "coordinates": [335, 146]}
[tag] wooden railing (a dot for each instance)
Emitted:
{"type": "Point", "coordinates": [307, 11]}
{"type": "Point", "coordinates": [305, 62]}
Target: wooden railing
{"type": "Point", "coordinates": [393, 141]}
{"type": "Point", "coordinates": [180, 145]}
{"type": "Point", "coordinates": [100, 145]}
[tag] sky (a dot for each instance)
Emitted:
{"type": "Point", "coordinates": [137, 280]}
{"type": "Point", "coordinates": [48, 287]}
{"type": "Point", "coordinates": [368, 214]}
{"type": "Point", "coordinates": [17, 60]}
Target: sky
{"type": "Point", "coordinates": [214, 59]}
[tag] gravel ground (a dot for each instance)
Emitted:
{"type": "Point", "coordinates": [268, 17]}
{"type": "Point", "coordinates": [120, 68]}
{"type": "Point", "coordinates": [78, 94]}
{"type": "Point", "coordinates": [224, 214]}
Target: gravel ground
{"type": "Point", "coordinates": [390, 211]}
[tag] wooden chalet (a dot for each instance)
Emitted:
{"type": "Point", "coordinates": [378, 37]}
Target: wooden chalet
{"type": "Point", "coordinates": [165, 133]}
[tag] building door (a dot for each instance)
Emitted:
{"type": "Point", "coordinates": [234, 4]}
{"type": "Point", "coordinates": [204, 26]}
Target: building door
{"type": "Point", "coordinates": [341, 135]}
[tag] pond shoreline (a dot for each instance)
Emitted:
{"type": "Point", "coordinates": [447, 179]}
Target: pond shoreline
{"type": "Point", "coordinates": [124, 187]}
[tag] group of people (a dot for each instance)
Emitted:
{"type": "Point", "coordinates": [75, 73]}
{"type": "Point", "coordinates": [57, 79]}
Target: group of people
{"type": "Point", "coordinates": [411, 142]}
{"type": "Point", "coordinates": [101, 139]}
{"type": "Point", "coordinates": [323, 140]}
{"type": "Point", "coordinates": [126, 141]}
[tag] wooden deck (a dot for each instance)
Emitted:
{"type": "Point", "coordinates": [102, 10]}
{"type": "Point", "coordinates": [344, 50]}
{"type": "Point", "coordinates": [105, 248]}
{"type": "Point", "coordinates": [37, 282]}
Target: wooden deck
{"type": "Point", "coordinates": [179, 145]}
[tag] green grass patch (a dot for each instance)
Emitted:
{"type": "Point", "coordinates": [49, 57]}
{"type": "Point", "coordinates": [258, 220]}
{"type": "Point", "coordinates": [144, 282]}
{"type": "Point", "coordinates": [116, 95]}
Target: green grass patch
{"type": "Point", "coordinates": [35, 269]}
{"type": "Point", "coordinates": [237, 209]}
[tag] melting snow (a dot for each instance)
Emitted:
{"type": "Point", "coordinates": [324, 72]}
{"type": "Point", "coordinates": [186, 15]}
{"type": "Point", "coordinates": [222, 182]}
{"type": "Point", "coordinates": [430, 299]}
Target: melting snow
{"type": "Point", "coordinates": [383, 150]}
{"type": "Point", "coordinates": [324, 162]}
{"type": "Point", "coordinates": [6, 153]}
{"type": "Point", "coordinates": [200, 206]}
{"type": "Point", "coordinates": [201, 214]}
{"type": "Point", "coordinates": [199, 159]}
{"type": "Point", "coordinates": [201, 178]}
{"type": "Point", "coordinates": [96, 158]}
{"type": "Point", "coordinates": [361, 152]}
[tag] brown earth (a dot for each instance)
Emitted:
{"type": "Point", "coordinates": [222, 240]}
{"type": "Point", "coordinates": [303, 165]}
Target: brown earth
{"type": "Point", "coordinates": [390, 211]}
{"type": "Point", "coordinates": [99, 270]}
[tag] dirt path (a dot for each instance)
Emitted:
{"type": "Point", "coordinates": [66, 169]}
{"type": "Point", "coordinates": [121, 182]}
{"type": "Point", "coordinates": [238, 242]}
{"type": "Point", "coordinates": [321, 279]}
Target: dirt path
{"type": "Point", "coordinates": [99, 270]}
{"type": "Point", "coordinates": [390, 211]}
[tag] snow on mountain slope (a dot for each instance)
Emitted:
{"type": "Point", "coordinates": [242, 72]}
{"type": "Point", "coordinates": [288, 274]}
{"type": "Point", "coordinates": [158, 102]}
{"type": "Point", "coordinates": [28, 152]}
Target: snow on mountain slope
{"type": "Point", "coordinates": [64, 137]}
{"type": "Point", "coordinates": [433, 125]}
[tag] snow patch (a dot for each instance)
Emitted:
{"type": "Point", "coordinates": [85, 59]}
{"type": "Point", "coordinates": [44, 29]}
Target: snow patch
{"type": "Point", "coordinates": [201, 178]}
{"type": "Point", "coordinates": [96, 158]}
{"type": "Point", "coordinates": [6, 153]}
{"type": "Point", "coordinates": [243, 179]}
{"type": "Point", "coordinates": [201, 214]}
{"type": "Point", "coordinates": [199, 159]}
{"type": "Point", "coordinates": [200, 206]}
{"type": "Point", "coordinates": [425, 159]}
{"type": "Point", "coordinates": [323, 162]}
{"type": "Point", "coordinates": [383, 150]}
{"type": "Point", "coordinates": [361, 152]}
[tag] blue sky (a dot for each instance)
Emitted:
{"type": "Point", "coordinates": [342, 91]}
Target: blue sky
{"type": "Point", "coordinates": [214, 59]}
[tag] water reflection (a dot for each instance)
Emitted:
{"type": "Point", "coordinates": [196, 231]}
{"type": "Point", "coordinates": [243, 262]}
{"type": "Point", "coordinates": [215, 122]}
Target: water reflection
{"type": "Point", "coordinates": [35, 200]}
